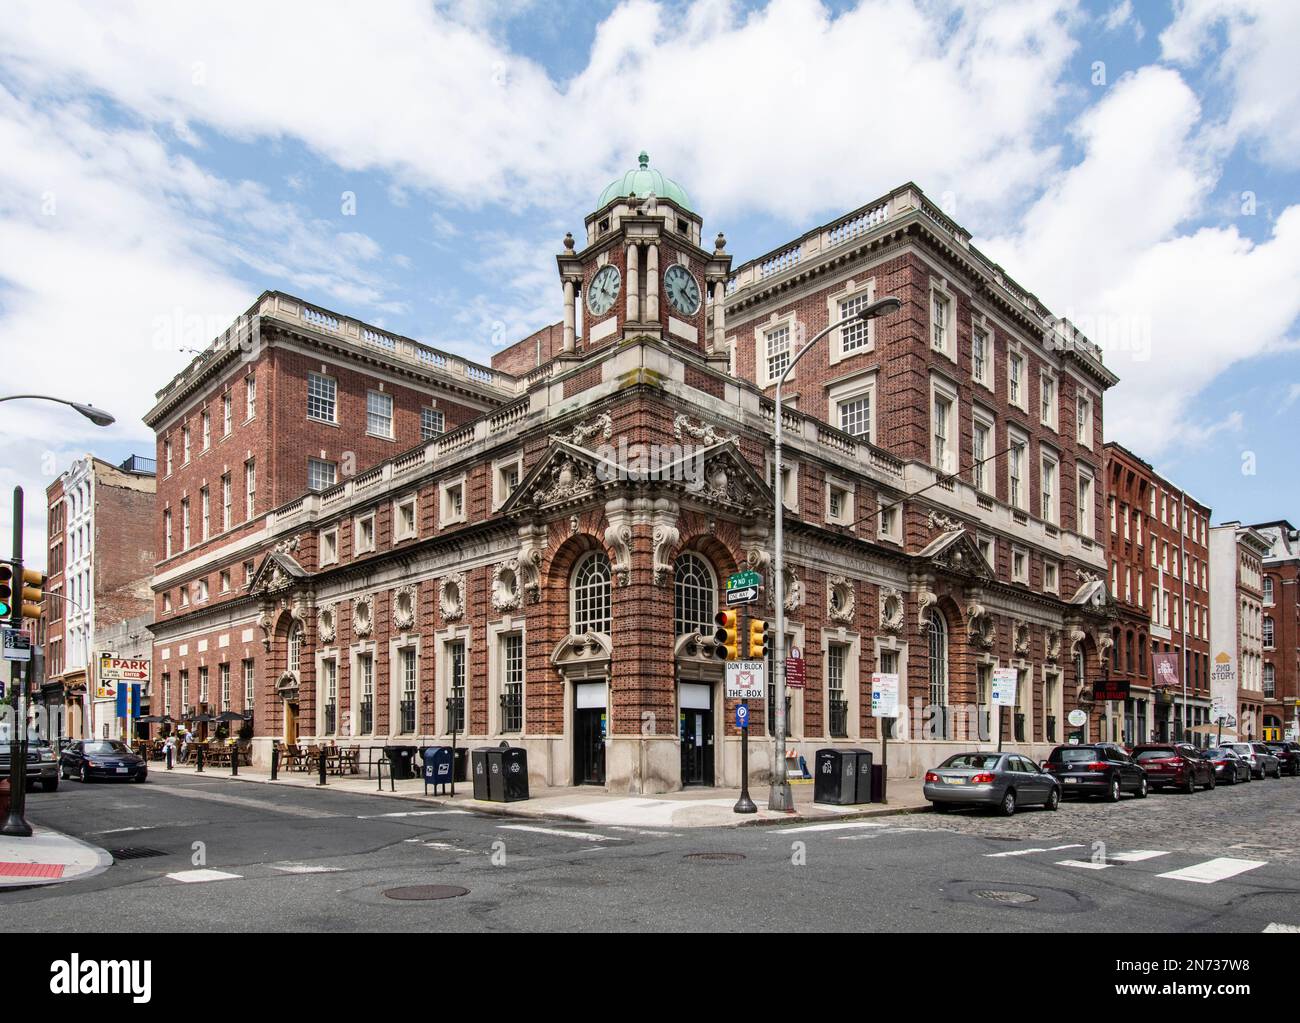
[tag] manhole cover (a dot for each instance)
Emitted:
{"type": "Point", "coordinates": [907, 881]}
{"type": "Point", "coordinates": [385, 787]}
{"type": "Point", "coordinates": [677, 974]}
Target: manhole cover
{"type": "Point", "coordinates": [714, 857]}
{"type": "Point", "coordinates": [425, 892]}
{"type": "Point", "coordinates": [998, 895]}
{"type": "Point", "coordinates": [135, 853]}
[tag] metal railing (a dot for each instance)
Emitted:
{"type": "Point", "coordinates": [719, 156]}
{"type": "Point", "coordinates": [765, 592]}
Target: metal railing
{"type": "Point", "coordinates": [512, 712]}
{"type": "Point", "coordinates": [839, 719]}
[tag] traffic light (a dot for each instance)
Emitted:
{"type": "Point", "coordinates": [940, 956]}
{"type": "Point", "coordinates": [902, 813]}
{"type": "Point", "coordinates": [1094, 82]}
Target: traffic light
{"type": "Point", "coordinates": [759, 640]}
{"type": "Point", "coordinates": [727, 638]}
{"type": "Point", "coordinates": [6, 589]}
{"type": "Point", "coordinates": [33, 595]}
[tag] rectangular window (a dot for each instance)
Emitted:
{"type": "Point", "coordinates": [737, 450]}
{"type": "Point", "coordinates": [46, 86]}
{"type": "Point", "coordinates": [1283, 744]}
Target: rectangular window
{"type": "Point", "coordinates": [431, 423]}
{"type": "Point", "coordinates": [167, 533]}
{"type": "Point", "coordinates": [979, 354]}
{"type": "Point", "coordinates": [1047, 399]}
{"type": "Point", "coordinates": [979, 452]}
{"type": "Point", "coordinates": [1085, 505]}
{"type": "Point", "coordinates": [366, 693]}
{"type": "Point", "coordinates": [329, 546]}
{"type": "Point", "coordinates": [406, 663]}
{"type": "Point", "coordinates": [224, 576]}
{"type": "Point", "coordinates": [855, 416]}
{"type": "Point", "coordinates": [250, 396]}
{"type": "Point", "coordinates": [225, 502]}
{"type": "Point", "coordinates": [856, 334]}
{"type": "Point", "coordinates": [837, 705]}
{"type": "Point", "coordinates": [512, 689]}
{"type": "Point", "coordinates": [331, 701]}
{"type": "Point", "coordinates": [379, 414]}
{"type": "Point", "coordinates": [167, 693]}
{"type": "Point", "coordinates": [1019, 566]}
{"type": "Point", "coordinates": [456, 678]}
{"type": "Point", "coordinates": [167, 457]}
{"type": "Point", "coordinates": [778, 352]}
{"type": "Point", "coordinates": [322, 398]}
{"type": "Point", "coordinates": [250, 488]}
{"type": "Point", "coordinates": [205, 421]}
{"type": "Point", "coordinates": [942, 453]}
{"type": "Point", "coordinates": [890, 525]}
{"type": "Point", "coordinates": [1049, 490]}
{"type": "Point", "coordinates": [404, 519]}
{"type": "Point", "coordinates": [185, 687]}
{"type": "Point", "coordinates": [223, 676]}
{"type": "Point", "coordinates": [185, 444]}
{"type": "Point", "coordinates": [1015, 378]}
{"type": "Point", "coordinates": [321, 474]}
{"type": "Point", "coordinates": [185, 524]}
{"type": "Point", "coordinates": [203, 684]}
{"type": "Point", "coordinates": [1016, 471]}
{"type": "Point", "coordinates": [1084, 419]}
{"type": "Point", "coordinates": [1050, 578]}
{"type": "Point", "coordinates": [940, 314]}
{"type": "Point", "coordinates": [363, 534]}
{"type": "Point", "coordinates": [205, 505]}
{"type": "Point", "coordinates": [225, 414]}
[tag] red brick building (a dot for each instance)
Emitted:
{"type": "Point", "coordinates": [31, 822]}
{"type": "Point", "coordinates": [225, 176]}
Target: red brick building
{"type": "Point", "coordinates": [100, 565]}
{"type": "Point", "coordinates": [1281, 629]}
{"type": "Point", "coordinates": [1159, 576]}
{"type": "Point", "coordinates": [535, 551]}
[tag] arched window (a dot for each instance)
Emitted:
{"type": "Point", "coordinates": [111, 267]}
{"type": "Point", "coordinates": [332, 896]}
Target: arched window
{"type": "Point", "coordinates": [693, 595]}
{"type": "Point", "coordinates": [295, 646]}
{"type": "Point", "coordinates": [590, 595]}
{"type": "Point", "coordinates": [938, 658]}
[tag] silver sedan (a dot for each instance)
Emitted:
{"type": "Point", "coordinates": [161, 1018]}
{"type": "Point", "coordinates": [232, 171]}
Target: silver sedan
{"type": "Point", "coordinates": [1000, 780]}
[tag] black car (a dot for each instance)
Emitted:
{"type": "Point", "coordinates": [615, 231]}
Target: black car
{"type": "Point", "coordinates": [102, 758]}
{"type": "Point", "coordinates": [1100, 768]}
{"type": "Point", "coordinates": [1288, 753]}
{"type": "Point", "coordinates": [1229, 766]}
{"type": "Point", "coordinates": [1178, 765]}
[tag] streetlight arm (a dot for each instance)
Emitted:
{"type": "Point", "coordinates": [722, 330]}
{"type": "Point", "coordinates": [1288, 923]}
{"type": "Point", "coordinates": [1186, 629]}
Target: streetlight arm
{"type": "Point", "coordinates": [97, 416]}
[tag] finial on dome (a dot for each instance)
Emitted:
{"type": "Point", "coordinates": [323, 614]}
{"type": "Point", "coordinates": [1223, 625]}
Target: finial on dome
{"type": "Point", "coordinates": [644, 159]}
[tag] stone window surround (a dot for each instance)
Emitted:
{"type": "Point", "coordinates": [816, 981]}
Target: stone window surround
{"type": "Point", "coordinates": [516, 459]}
{"type": "Point", "coordinates": [401, 532]}
{"type": "Point", "coordinates": [496, 634]}
{"type": "Point", "coordinates": [852, 680]}
{"type": "Point", "coordinates": [323, 655]}
{"type": "Point", "coordinates": [1056, 587]}
{"type": "Point", "coordinates": [761, 330]}
{"type": "Point", "coordinates": [405, 641]}
{"type": "Point", "coordinates": [894, 535]}
{"type": "Point", "coordinates": [1014, 436]}
{"type": "Point", "coordinates": [942, 287]}
{"type": "Point", "coordinates": [357, 543]}
{"type": "Point", "coordinates": [980, 320]}
{"type": "Point", "coordinates": [355, 653]}
{"type": "Point", "coordinates": [1024, 551]}
{"type": "Point", "coordinates": [442, 676]}
{"type": "Point", "coordinates": [894, 644]}
{"type": "Point", "coordinates": [942, 386]}
{"type": "Point", "coordinates": [982, 416]}
{"type": "Point", "coordinates": [1045, 372]}
{"type": "Point", "coordinates": [795, 630]}
{"type": "Point", "coordinates": [1016, 348]}
{"type": "Point", "coordinates": [849, 389]}
{"type": "Point", "coordinates": [791, 495]}
{"type": "Point", "coordinates": [1045, 452]}
{"type": "Point", "coordinates": [445, 487]}
{"type": "Point", "coordinates": [847, 509]}
{"type": "Point", "coordinates": [852, 288]}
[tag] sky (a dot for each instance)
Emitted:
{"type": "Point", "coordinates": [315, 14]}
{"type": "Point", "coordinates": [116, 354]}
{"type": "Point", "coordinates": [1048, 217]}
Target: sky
{"type": "Point", "coordinates": [1134, 163]}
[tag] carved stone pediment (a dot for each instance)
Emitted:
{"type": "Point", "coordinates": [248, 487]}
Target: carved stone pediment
{"type": "Point", "coordinates": [722, 478]}
{"type": "Point", "coordinates": [279, 571]}
{"type": "Point", "coordinates": [583, 656]}
{"type": "Point", "coordinates": [957, 553]}
{"type": "Point", "coordinates": [565, 476]}
{"type": "Point", "coordinates": [287, 686]}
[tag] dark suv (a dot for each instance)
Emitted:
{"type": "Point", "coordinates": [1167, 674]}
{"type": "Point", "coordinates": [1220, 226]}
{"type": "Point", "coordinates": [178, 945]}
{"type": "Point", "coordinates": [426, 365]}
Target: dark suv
{"type": "Point", "coordinates": [42, 764]}
{"type": "Point", "coordinates": [1099, 768]}
{"type": "Point", "coordinates": [1178, 765]}
{"type": "Point", "coordinates": [1288, 753]}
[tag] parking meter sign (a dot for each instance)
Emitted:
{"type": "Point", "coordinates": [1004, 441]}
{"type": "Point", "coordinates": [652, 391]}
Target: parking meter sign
{"type": "Point", "coordinates": [742, 715]}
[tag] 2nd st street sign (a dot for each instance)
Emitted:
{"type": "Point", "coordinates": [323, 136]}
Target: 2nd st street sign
{"type": "Point", "coordinates": [743, 588]}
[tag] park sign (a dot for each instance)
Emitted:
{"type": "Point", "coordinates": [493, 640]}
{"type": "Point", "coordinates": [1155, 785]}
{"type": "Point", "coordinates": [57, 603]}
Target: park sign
{"type": "Point", "coordinates": [123, 669]}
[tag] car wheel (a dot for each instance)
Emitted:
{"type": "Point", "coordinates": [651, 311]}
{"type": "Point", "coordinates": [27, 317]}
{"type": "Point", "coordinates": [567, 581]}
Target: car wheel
{"type": "Point", "coordinates": [50, 785]}
{"type": "Point", "coordinates": [1054, 799]}
{"type": "Point", "coordinates": [1008, 805]}
{"type": "Point", "coordinates": [63, 771]}
{"type": "Point", "coordinates": [1112, 794]}
{"type": "Point", "coordinates": [1209, 786]}
{"type": "Point", "coordinates": [85, 774]}
{"type": "Point", "coordinates": [939, 807]}
{"type": "Point", "coordinates": [1190, 785]}
{"type": "Point", "coordinates": [1142, 789]}
{"type": "Point", "coordinates": [1277, 771]}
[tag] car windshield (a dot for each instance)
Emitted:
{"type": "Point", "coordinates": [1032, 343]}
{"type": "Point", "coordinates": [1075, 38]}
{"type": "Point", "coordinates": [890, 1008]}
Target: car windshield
{"type": "Point", "coordinates": [1074, 755]}
{"type": "Point", "coordinates": [106, 748]}
{"type": "Point", "coordinates": [1243, 748]}
{"type": "Point", "coordinates": [975, 761]}
{"type": "Point", "coordinates": [1157, 754]}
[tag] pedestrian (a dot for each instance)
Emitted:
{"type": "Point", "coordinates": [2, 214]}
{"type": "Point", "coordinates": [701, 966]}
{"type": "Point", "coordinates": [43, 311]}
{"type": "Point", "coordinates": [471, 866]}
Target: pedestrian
{"type": "Point", "coordinates": [169, 750]}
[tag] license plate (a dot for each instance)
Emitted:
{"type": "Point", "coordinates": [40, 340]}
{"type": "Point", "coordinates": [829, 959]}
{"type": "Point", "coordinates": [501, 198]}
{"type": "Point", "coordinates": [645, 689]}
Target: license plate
{"type": "Point", "coordinates": [121, 770]}
{"type": "Point", "coordinates": [1072, 781]}
{"type": "Point", "coordinates": [955, 781]}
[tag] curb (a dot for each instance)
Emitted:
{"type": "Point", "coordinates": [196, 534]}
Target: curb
{"type": "Point", "coordinates": [102, 862]}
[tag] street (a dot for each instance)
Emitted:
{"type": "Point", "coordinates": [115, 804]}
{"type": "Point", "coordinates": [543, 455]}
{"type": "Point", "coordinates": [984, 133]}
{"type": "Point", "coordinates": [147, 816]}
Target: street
{"type": "Point", "coordinates": [238, 856]}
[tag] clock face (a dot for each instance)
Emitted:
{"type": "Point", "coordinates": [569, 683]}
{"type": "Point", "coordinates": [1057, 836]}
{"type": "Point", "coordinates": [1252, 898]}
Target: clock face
{"type": "Point", "coordinates": [683, 292]}
{"type": "Point", "coordinates": [603, 290]}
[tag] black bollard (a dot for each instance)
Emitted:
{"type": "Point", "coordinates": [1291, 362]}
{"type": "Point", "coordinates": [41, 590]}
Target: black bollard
{"type": "Point", "coordinates": [169, 758]}
{"type": "Point", "coordinates": [275, 762]}
{"type": "Point", "coordinates": [320, 763]}
{"type": "Point", "coordinates": [234, 761]}
{"type": "Point", "coordinates": [199, 762]}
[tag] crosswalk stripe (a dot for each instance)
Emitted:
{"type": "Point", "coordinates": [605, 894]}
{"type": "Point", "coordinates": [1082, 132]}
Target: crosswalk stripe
{"type": "Point", "coordinates": [1085, 864]}
{"type": "Point", "coordinates": [194, 876]}
{"type": "Point", "coordinates": [304, 868]}
{"type": "Point", "coordinates": [1218, 869]}
{"type": "Point", "coordinates": [1282, 929]}
{"type": "Point", "coordinates": [837, 826]}
{"type": "Point", "coordinates": [1136, 856]}
{"type": "Point", "coordinates": [1026, 852]}
{"type": "Point", "coordinates": [586, 836]}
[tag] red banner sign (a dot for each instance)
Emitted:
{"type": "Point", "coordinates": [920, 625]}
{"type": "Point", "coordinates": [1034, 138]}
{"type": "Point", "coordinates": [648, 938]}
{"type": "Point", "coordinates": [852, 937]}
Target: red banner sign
{"type": "Point", "coordinates": [1164, 669]}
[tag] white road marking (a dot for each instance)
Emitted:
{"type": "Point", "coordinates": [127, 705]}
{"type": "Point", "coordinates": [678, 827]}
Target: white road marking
{"type": "Point", "coordinates": [409, 813]}
{"type": "Point", "coordinates": [1026, 852]}
{"type": "Point", "coordinates": [1085, 864]}
{"type": "Point", "coordinates": [252, 804]}
{"type": "Point", "coordinates": [1281, 929]}
{"type": "Point", "coordinates": [1136, 856]}
{"type": "Point", "coordinates": [1218, 869]}
{"type": "Point", "coordinates": [303, 868]}
{"type": "Point", "coordinates": [118, 831]}
{"type": "Point", "coordinates": [586, 836]}
{"type": "Point", "coordinates": [448, 847]}
{"type": "Point", "coordinates": [649, 834]}
{"type": "Point", "coordinates": [193, 876]}
{"type": "Point", "coordinates": [837, 826]}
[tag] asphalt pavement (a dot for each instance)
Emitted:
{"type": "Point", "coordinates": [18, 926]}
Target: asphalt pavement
{"type": "Point", "coordinates": [228, 856]}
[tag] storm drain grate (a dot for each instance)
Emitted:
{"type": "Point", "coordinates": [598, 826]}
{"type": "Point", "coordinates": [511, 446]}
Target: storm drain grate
{"type": "Point", "coordinates": [425, 892]}
{"type": "Point", "coordinates": [135, 852]}
{"type": "Point", "coordinates": [999, 895]}
{"type": "Point", "coordinates": [714, 857]}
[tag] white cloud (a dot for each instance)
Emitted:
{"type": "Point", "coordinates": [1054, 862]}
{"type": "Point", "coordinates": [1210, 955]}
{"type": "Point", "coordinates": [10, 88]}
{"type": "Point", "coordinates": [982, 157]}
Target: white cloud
{"type": "Point", "coordinates": [1256, 62]}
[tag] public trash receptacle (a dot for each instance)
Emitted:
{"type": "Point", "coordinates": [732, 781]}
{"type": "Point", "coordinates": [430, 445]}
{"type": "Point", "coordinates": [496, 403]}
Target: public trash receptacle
{"type": "Point", "coordinates": [862, 792]}
{"type": "Point", "coordinates": [514, 764]}
{"type": "Point", "coordinates": [479, 763]}
{"type": "Point", "coordinates": [878, 783]}
{"type": "Point", "coordinates": [437, 765]}
{"type": "Point", "coordinates": [401, 761]}
{"type": "Point", "coordinates": [835, 778]}
{"type": "Point", "coordinates": [460, 765]}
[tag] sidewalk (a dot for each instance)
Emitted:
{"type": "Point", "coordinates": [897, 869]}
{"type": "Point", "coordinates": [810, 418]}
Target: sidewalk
{"type": "Point", "coordinates": [48, 857]}
{"type": "Point", "coordinates": [691, 808]}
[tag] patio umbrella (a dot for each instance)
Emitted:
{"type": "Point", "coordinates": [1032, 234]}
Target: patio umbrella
{"type": "Point", "coordinates": [231, 715]}
{"type": "Point", "coordinates": [203, 719]}
{"type": "Point", "coordinates": [153, 719]}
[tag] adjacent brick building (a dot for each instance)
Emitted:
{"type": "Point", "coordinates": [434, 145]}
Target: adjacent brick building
{"type": "Point", "coordinates": [100, 566]}
{"type": "Point", "coordinates": [534, 551]}
{"type": "Point", "coordinates": [1281, 629]}
{"type": "Point", "coordinates": [1159, 577]}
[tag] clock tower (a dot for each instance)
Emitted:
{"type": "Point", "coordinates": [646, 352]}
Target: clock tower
{"type": "Point", "coordinates": [642, 271]}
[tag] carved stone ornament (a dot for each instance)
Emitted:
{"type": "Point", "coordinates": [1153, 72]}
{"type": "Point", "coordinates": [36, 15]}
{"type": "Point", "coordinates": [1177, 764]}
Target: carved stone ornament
{"type": "Point", "coordinates": [1020, 637]}
{"type": "Point", "coordinates": [841, 601]}
{"type": "Point", "coordinates": [532, 542]}
{"type": "Point", "coordinates": [618, 538]}
{"type": "Point", "coordinates": [925, 599]}
{"type": "Point", "coordinates": [1052, 644]}
{"type": "Point", "coordinates": [279, 581]}
{"type": "Point", "coordinates": [567, 478]}
{"type": "Point", "coordinates": [704, 432]}
{"type": "Point", "coordinates": [287, 545]}
{"type": "Point", "coordinates": [451, 597]}
{"type": "Point", "coordinates": [363, 615]}
{"type": "Point", "coordinates": [602, 425]}
{"type": "Point", "coordinates": [326, 625]}
{"type": "Point", "coordinates": [1104, 642]}
{"type": "Point", "coordinates": [505, 586]}
{"type": "Point", "coordinates": [1086, 577]}
{"type": "Point", "coordinates": [1077, 636]}
{"type": "Point", "coordinates": [939, 521]}
{"type": "Point", "coordinates": [759, 559]}
{"type": "Point", "coordinates": [404, 602]}
{"type": "Point", "coordinates": [891, 609]}
{"type": "Point", "coordinates": [664, 538]}
{"type": "Point", "coordinates": [267, 625]}
{"type": "Point", "coordinates": [979, 625]}
{"type": "Point", "coordinates": [793, 591]}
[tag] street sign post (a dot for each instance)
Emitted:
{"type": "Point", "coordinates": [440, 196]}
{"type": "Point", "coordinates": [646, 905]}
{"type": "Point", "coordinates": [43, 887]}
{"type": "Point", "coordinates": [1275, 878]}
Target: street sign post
{"type": "Point", "coordinates": [746, 680]}
{"type": "Point", "coordinates": [884, 704]}
{"type": "Point", "coordinates": [743, 588]}
{"type": "Point", "coordinates": [744, 804]}
{"type": "Point", "coordinates": [1004, 694]}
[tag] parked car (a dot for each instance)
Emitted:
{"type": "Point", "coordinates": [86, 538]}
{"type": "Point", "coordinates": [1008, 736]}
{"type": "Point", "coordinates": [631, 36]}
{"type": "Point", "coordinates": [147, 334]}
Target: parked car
{"type": "Point", "coordinates": [102, 758]}
{"type": "Point", "coordinates": [1229, 766]}
{"type": "Point", "coordinates": [1000, 780]}
{"type": "Point", "coordinates": [1177, 765]}
{"type": "Point", "coordinates": [1289, 754]}
{"type": "Point", "coordinates": [1100, 768]}
{"type": "Point", "coordinates": [42, 764]}
{"type": "Point", "coordinates": [1261, 759]}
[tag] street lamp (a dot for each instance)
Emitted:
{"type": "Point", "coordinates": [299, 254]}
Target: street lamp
{"type": "Point", "coordinates": [96, 415]}
{"type": "Point", "coordinates": [780, 797]}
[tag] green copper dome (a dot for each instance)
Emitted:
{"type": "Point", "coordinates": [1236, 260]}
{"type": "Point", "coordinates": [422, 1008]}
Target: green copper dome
{"type": "Point", "coordinates": [641, 182]}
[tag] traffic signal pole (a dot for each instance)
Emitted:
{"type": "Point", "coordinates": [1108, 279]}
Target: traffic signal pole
{"type": "Point", "coordinates": [15, 825]}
